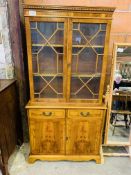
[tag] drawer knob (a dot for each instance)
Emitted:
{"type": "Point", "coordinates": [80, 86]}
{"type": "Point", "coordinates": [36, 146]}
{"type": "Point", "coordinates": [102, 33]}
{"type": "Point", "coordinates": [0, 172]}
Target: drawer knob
{"type": "Point", "coordinates": [84, 114]}
{"type": "Point", "coordinates": [47, 113]}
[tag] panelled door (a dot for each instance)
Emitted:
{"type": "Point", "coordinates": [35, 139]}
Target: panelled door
{"type": "Point", "coordinates": [83, 132]}
{"type": "Point", "coordinates": [88, 39]}
{"type": "Point", "coordinates": [47, 57]}
{"type": "Point", "coordinates": [47, 131]}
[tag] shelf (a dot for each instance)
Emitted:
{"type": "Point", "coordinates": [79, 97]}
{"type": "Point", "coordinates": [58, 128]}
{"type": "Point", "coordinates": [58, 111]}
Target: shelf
{"type": "Point", "coordinates": [73, 75]}
{"type": "Point", "coordinates": [40, 103]}
{"type": "Point", "coordinates": [60, 45]}
{"type": "Point", "coordinates": [53, 45]}
{"type": "Point", "coordinates": [48, 74]}
{"type": "Point", "coordinates": [86, 75]}
{"type": "Point", "coordinates": [121, 112]}
{"type": "Point", "coordinates": [95, 46]}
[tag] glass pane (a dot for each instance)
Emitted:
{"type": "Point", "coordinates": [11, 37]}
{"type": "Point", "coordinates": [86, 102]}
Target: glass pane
{"type": "Point", "coordinates": [39, 83]}
{"type": "Point", "coordinates": [47, 58]}
{"type": "Point", "coordinates": [85, 88]}
{"type": "Point", "coordinates": [37, 38]}
{"type": "Point", "coordinates": [57, 38]}
{"type": "Point", "coordinates": [103, 27]}
{"type": "Point", "coordinates": [59, 49]}
{"type": "Point", "coordinates": [47, 28]}
{"type": "Point", "coordinates": [87, 60]}
{"type": "Point", "coordinates": [99, 50]}
{"type": "Point", "coordinates": [99, 64]}
{"type": "Point", "coordinates": [76, 50]}
{"type": "Point", "coordinates": [61, 25]}
{"type": "Point", "coordinates": [60, 63]}
{"type": "Point", "coordinates": [74, 63]}
{"type": "Point", "coordinates": [78, 39]}
{"type": "Point", "coordinates": [33, 25]}
{"type": "Point", "coordinates": [89, 30]}
{"type": "Point", "coordinates": [99, 39]}
{"type": "Point", "coordinates": [76, 85]}
{"type": "Point", "coordinates": [34, 63]}
{"type": "Point", "coordinates": [75, 26]}
{"type": "Point", "coordinates": [48, 87]}
{"type": "Point", "coordinates": [94, 84]}
{"type": "Point", "coordinates": [54, 89]}
{"type": "Point", "coordinates": [36, 49]}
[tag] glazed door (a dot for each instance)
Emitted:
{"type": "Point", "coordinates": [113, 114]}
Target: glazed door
{"type": "Point", "coordinates": [47, 57]}
{"type": "Point", "coordinates": [47, 131]}
{"type": "Point", "coordinates": [87, 60]}
{"type": "Point", "coordinates": [84, 135]}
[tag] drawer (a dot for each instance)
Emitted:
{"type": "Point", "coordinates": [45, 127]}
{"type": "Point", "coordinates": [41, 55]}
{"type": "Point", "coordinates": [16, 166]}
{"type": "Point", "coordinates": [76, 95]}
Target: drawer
{"type": "Point", "coordinates": [47, 113]}
{"type": "Point", "coordinates": [85, 113]}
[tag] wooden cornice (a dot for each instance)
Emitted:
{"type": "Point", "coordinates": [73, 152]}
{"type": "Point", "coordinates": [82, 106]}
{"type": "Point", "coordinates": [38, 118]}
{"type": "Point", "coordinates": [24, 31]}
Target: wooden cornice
{"type": "Point", "coordinates": [71, 8]}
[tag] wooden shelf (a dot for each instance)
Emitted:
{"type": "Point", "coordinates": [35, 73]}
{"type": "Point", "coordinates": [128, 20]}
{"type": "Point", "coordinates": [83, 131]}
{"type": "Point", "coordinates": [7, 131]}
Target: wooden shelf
{"type": "Point", "coordinates": [73, 75]}
{"type": "Point", "coordinates": [62, 104]}
{"type": "Point", "coordinates": [94, 46]}
{"type": "Point", "coordinates": [53, 45]}
{"type": "Point", "coordinates": [48, 74]}
{"type": "Point", "coordinates": [60, 45]}
{"type": "Point", "coordinates": [86, 75]}
{"type": "Point", "coordinates": [121, 112]}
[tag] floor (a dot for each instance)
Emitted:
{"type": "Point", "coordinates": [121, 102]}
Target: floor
{"type": "Point", "coordinates": [121, 134]}
{"type": "Point", "coordinates": [112, 166]}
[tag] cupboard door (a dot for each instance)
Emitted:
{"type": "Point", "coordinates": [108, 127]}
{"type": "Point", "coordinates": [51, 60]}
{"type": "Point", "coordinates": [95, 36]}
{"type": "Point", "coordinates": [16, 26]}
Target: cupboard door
{"type": "Point", "coordinates": [84, 136]}
{"type": "Point", "coordinates": [46, 67]}
{"type": "Point", "coordinates": [88, 41]}
{"type": "Point", "coordinates": [47, 134]}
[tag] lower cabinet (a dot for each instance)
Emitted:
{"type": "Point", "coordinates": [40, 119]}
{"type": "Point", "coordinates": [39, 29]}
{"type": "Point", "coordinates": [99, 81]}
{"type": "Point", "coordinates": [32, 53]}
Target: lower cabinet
{"type": "Point", "coordinates": [65, 132]}
{"type": "Point", "coordinates": [47, 131]}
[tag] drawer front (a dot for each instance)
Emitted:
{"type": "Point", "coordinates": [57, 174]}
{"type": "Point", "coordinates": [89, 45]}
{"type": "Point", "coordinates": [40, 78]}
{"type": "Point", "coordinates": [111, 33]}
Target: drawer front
{"type": "Point", "coordinates": [47, 113]}
{"type": "Point", "coordinates": [84, 113]}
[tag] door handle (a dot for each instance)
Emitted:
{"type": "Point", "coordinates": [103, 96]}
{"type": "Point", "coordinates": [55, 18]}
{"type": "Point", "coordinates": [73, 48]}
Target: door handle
{"type": "Point", "coordinates": [47, 113]}
{"type": "Point", "coordinates": [84, 114]}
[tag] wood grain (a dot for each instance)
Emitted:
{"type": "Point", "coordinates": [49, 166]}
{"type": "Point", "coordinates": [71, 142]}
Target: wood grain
{"type": "Point", "coordinates": [10, 121]}
{"type": "Point", "coordinates": [47, 133]}
{"type": "Point", "coordinates": [85, 140]}
{"type": "Point", "coordinates": [79, 158]}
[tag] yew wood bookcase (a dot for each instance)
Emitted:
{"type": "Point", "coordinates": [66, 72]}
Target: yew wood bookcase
{"type": "Point", "coordinates": [67, 59]}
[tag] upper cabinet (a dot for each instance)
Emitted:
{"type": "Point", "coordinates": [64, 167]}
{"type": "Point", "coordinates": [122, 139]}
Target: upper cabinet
{"type": "Point", "coordinates": [67, 52]}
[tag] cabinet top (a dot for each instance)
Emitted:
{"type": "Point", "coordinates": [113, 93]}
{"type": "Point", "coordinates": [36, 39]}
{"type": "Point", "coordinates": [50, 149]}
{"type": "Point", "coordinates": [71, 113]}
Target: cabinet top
{"type": "Point", "coordinates": [68, 11]}
{"type": "Point", "coordinates": [46, 105]}
{"type": "Point", "coordinates": [33, 4]}
{"type": "Point", "coordinates": [4, 83]}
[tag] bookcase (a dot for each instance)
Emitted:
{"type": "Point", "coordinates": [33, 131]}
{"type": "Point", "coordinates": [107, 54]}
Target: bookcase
{"type": "Point", "coordinates": [67, 59]}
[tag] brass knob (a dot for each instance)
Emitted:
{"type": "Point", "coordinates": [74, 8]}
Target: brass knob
{"type": "Point", "coordinates": [84, 114]}
{"type": "Point", "coordinates": [47, 113]}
